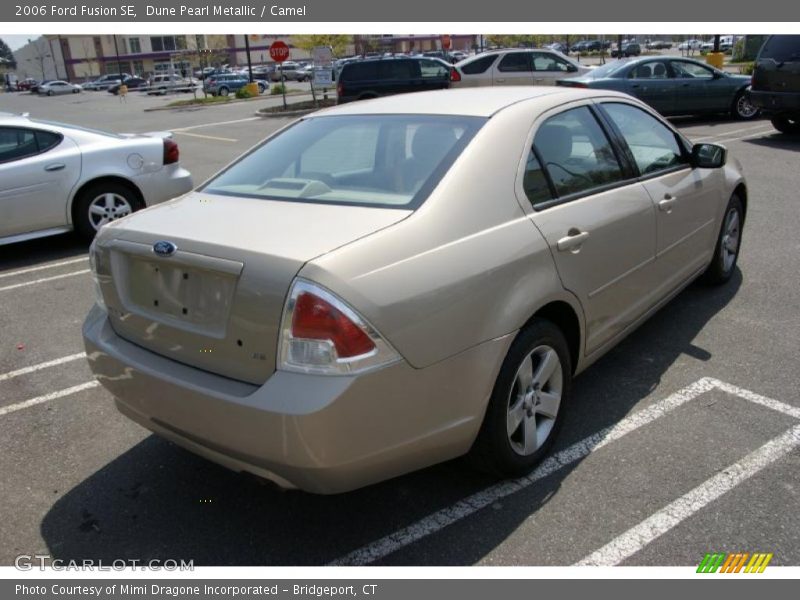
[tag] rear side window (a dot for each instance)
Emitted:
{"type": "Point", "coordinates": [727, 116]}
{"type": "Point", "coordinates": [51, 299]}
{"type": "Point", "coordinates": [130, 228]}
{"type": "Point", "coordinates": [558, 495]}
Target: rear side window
{"type": "Point", "coordinates": [47, 140]}
{"type": "Point", "coordinates": [17, 143]}
{"type": "Point", "coordinates": [399, 69]}
{"type": "Point", "coordinates": [516, 62]}
{"type": "Point", "coordinates": [433, 69]}
{"type": "Point", "coordinates": [479, 65]}
{"type": "Point", "coordinates": [360, 71]}
{"type": "Point", "coordinates": [534, 181]}
{"type": "Point", "coordinates": [781, 48]}
{"type": "Point", "coordinates": [576, 153]}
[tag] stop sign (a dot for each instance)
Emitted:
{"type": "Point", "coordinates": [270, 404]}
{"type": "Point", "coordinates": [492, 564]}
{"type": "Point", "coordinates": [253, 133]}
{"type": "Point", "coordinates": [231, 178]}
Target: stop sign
{"type": "Point", "coordinates": [279, 51]}
{"type": "Point", "coordinates": [445, 42]}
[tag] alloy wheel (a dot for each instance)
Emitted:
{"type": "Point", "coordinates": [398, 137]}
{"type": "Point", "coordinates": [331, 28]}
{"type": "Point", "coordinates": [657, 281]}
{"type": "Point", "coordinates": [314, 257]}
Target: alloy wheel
{"type": "Point", "coordinates": [108, 207]}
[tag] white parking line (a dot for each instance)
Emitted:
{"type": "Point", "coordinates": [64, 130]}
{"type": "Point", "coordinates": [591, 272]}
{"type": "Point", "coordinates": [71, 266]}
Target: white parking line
{"type": "Point", "coordinates": [782, 407]}
{"type": "Point", "coordinates": [215, 124]}
{"type": "Point", "coordinates": [636, 538]}
{"type": "Point", "coordinates": [744, 137]}
{"type": "Point", "coordinates": [43, 280]}
{"type": "Point", "coordinates": [40, 366]}
{"type": "Point", "coordinates": [472, 504]}
{"type": "Point", "coordinates": [42, 267]}
{"type": "Point", "coordinates": [206, 137]}
{"type": "Point", "coordinates": [4, 410]}
{"type": "Point", "coordinates": [727, 133]}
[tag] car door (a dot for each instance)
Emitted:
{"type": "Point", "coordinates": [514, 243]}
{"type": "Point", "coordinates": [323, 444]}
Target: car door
{"type": "Point", "coordinates": [693, 87]}
{"type": "Point", "coordinates": [514, 68]}
{"type": "Point", "coordinates": [651, 82]}
{"type": "Point", "coordinates": [38, 170]}
{"type": "Point", "coordinates": [549, 68]}
{"type": "Point", "coordinates": [400, 76]}
{"type": "Point", "coordinates": [685, 198]}
{"type": "Point", "coordinates": [596, 217]}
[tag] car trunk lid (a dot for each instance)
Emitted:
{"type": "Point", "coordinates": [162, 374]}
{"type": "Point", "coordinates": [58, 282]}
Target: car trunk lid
{"type": "Point", "coordinates": [203, 279]}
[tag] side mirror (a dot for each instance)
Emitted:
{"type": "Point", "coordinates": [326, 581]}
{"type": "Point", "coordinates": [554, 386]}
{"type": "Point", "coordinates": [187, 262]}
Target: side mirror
{"type": "Point", "coordinates": [572, 68]}
{"type": "Point", "coordinates": [709, 156]}
{"type": "Point", "coordinates": [717, 75]}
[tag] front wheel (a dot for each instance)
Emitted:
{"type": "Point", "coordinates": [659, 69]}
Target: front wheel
{"type": "Point", "coordinates": [223, 91]}
{"type": "Point", "coordinates": [786, 125]}
{"type": "Point", "coordinates": [102, 203]}
{"type": "Point", "coordinates": [526, 408]}
{"type": "Point", "coordinates": [50, 92]}
{"type": "Point", "coordinates": [729, 240]}
{"type": "Point", "coordinates": [743, 109]}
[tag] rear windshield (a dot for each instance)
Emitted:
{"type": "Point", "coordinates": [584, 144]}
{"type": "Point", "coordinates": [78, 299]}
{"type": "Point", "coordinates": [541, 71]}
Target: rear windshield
{"type": "Point", "coordinates": [610, 69]}
{"type": "Point", "coordinates": [781, 48]}
{"type": "Point", "coordinates": [478, 65]}
{"type": "Point", "coordinates": [390, 161]}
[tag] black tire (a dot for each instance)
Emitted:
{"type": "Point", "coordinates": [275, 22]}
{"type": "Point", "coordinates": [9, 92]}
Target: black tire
{"type": "Point", "coordinates": [786, 125]}
{"type": "Point", "coordinates": [492, 451]}
{"type": "Point", "coordinates": [80, 214]}
{"type": "Point", "coordinates": [720, 271]}
{"type": "Point", "coordinates": [223, 91]}
{"type": "Point", "coordinates": [742, 109]}
{"type": "Point", "coordinates": [75, 91]}
{"type": "Point", "coordinates": [49, 92]}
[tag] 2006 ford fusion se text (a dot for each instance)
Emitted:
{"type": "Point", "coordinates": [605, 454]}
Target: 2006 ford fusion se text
{"type": "Point", "coordinates": [389, 284]}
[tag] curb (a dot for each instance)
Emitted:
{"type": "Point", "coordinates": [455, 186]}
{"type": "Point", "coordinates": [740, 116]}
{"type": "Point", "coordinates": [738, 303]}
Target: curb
{"type": "Point", "coordinates": [212, 104]}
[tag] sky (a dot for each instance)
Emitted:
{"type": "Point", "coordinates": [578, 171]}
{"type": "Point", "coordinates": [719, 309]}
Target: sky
{"type": "Point", "coordinates": [16, 41]}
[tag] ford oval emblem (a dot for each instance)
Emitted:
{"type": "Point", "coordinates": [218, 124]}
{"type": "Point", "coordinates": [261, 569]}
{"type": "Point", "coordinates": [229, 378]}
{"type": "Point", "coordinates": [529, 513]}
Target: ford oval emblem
{"type": "Point", "coordinates": [164, 248]}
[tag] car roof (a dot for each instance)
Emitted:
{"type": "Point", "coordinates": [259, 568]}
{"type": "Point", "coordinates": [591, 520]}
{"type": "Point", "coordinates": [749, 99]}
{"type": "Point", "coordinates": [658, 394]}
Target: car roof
{"type": "Point", "coordinates": [478, 102]}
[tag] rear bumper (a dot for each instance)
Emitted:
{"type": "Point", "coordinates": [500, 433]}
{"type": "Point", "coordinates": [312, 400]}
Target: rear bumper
{"type": "Point", "coordinates": [775, 103]}
{"type": "Point", "coordinates": [169, 182]}
{"type": "Point", "coordinates": [320, 434]}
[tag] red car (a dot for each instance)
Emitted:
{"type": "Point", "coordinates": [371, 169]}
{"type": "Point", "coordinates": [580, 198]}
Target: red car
{"type": "Point", "coordinates": [26, 84]}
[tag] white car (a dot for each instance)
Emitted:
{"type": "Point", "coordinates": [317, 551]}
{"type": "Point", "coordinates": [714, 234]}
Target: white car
{"type": "Point", "coordinates": [55, 178]}
{"type": "Point", "coordinates": [692, 44]}
{"type": "Point", "coordinates": [516, 67]}
{"type": "Point", "coordinates": [53, 88]}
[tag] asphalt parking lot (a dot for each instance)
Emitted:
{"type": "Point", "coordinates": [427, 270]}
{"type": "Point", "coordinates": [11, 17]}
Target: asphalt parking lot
{"type": "Point", "coordinates": [681, 441]}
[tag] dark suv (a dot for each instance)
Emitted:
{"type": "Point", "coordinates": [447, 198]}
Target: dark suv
{"type": "Point", "coordinates": [370, 78]}
{"type": "Point", "coordinates": [776, 82]}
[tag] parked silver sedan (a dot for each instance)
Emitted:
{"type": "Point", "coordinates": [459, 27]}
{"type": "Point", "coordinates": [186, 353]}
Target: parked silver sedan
{"type": "Point", "coordinates": [392, 283]}
{"type": "Point", "coordinates": [56, 177]}
{"type": "Point", "coordinates": [54, 88]}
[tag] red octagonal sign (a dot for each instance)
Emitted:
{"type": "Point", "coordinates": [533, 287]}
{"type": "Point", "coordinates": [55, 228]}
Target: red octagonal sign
{"type": "Point", "coordinates": [279, 51]}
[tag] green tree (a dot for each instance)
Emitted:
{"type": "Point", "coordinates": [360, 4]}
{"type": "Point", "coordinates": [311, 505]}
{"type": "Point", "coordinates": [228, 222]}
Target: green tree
{"type": "Point", "coordinates": [338, 43]}
{"type": "Point", "coordinates": [7, 54]}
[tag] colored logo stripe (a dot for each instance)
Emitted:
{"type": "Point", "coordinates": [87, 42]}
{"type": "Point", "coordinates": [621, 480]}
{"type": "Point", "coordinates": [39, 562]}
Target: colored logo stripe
{"type": "Point", "coordinates": [733, 563]}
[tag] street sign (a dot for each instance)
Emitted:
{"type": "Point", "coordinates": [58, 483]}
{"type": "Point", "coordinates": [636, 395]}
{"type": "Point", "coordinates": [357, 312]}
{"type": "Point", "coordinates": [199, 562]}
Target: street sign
{"type": "Point", "coordinates": [323, 77]}
{"type": "Point", "coordinates": [322, 56]}
{"type": "Point", "coordinates": [446, 42]}
{"type": "Point", "coordinates": [279, 51]}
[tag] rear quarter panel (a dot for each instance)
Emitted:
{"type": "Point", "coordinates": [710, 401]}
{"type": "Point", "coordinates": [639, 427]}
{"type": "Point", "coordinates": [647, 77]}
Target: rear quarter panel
{"type": "Point", "coordinates": [466, 267]}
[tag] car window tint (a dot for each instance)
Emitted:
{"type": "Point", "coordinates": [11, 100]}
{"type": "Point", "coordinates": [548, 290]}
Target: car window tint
{"type": "Point", "coordinates": [479, 65]}
{"type": "Point", "coordinates": [689, 70]}
{"type": "Point", "coordinates": [17, 143]}
{"type": "Point", "coordinates": [399, 69]}
{"type": "Point", "coordinates": [781, 48]}
{"type": "Point", "coordinates": [548, 62]}
{"type": "Point", "coordinates": [650, 70]}
{"type": "Point", "coordinates": [360, 70]}
{"type": "Point", "coordinates": [576, 153]}
{"type": "Point", "coordinates": [534, 181]}
{"type": "Point", "coordinates": [516, 62]}
{"type": "Point", "coordinates": [653, 145]}
{"type": "Point", "coordinates": [47, 140]}
{"type": "Point", "coordinates": [433, 69]}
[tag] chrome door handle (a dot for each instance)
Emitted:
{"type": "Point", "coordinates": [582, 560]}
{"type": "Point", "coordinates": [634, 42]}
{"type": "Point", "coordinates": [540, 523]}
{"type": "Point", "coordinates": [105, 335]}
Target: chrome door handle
{"type": "Point", "coordinates": [499, 80]}
{"type": "Point", "coordinates": [666, 204]}
{"type": "Point", "coordinates": [573, 241]}
{"type": "Point", "coordinates": [55, 167]}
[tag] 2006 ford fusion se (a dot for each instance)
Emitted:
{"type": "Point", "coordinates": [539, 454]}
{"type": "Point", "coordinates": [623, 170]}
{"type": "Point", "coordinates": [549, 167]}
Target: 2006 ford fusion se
{"type": "Point", "coordinates": [389, 284]}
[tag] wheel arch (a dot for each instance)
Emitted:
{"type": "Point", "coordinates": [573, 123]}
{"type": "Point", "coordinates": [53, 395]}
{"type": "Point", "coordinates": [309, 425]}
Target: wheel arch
{"type": "Point", "coordinates": [564, 315]}
{"type": "Point", "coordinates": [741, 191]}
{"type": "Point", "coordinates": [117, 179]}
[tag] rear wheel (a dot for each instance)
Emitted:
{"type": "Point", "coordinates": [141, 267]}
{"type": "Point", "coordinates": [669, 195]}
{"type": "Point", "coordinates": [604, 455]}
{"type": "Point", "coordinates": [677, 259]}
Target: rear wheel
{"type": "Point", "coordinates": [49, 92]}
{"type": "Point", "coordinates": [223, 91]}
{"type": "Point", "coordinates": [726, 252]}
{"type": "Point", "coordinates": [527, 404]}
{"type": "Point", "coordinates": [786, 124]}
{"type": "Point", "coordinates": [743, 109]}
{"type": "Point", "coordinates": [102, 203]}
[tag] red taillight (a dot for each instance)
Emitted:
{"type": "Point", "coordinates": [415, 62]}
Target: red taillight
{"type": "Point", "coordinates": [171, 153]}
{"type": "Point", "coordinates": [454, 74]}
{"type": "Point", "coordinates": [339, 89]}
{"type": "Point", "coordinates": [317, 319]}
